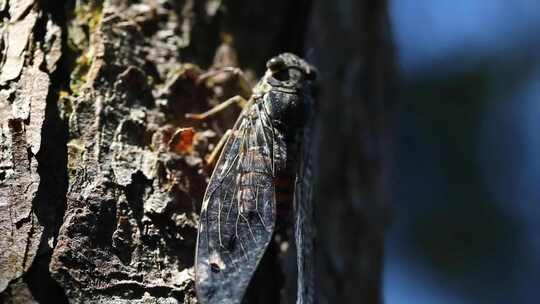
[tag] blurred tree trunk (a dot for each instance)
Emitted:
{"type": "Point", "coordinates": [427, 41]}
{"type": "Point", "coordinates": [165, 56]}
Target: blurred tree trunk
{"type": "Point", "coordinates": [99, 193]}
{"type": "Point", "coordinates": [351, 43]}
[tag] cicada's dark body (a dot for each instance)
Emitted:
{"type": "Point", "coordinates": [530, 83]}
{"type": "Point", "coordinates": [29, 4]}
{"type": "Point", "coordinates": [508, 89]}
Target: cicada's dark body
{"type": "Point", "coordinates": [264, 167]}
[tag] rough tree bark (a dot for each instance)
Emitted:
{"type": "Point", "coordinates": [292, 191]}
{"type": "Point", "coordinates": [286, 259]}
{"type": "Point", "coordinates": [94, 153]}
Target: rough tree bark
{"type": "Point", "coordinates": [100, 187]}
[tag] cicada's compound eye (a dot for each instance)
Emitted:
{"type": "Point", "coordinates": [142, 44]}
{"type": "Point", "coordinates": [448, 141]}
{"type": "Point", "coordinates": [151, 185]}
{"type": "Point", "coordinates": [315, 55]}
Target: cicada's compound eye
{"type": "Point", "coordinates": [275, 64]}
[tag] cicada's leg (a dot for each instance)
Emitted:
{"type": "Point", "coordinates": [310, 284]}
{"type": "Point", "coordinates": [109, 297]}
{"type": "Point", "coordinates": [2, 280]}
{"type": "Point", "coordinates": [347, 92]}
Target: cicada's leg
{"type": "Point", "coordinates": [216, 72]}
{"type": "Point", "coordinates": [211, 159]}
{"type": "Point", "coordinates": [227, 74]}
{"type": "Point", "coordinates": [220, 107]}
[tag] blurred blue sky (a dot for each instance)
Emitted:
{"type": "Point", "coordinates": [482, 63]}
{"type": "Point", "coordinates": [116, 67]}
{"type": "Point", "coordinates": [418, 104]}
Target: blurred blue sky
{"type": "Point", "coordinates": [511, 169]}
{"type": "Point", "coordinates": [429, 32]}
{"type": "Point", "coordinates": [484, 113]}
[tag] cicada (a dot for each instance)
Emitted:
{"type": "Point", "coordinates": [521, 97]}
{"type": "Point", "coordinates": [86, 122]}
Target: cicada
{"type": "Point", "coordinates": [264, 167]}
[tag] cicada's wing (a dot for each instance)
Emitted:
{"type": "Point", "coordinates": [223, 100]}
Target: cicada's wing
{"type": "Point", "coordinates": [238, 212]}
{"type": "Point", "coordinates": [304, 226]}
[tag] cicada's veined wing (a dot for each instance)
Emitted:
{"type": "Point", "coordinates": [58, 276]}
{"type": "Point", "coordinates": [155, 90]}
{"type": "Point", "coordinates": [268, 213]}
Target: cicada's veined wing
{"type": "Point", "coordinates": [238, 212]}
{"type": "Point", "coordinates": [304, 224]}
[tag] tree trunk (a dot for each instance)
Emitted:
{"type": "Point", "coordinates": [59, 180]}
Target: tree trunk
{"type": "Point", "coordinates": [101, 180]}
{"type": "Point", "coordinates": [352, 47]}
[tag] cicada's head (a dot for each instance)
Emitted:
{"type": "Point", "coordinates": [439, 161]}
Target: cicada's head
{"type": "Point", "coordinates": [286, 88]}
{"type": "Point", "coordinates": [289, 72]}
